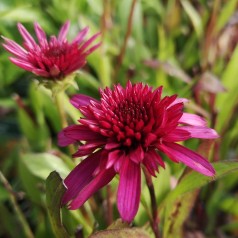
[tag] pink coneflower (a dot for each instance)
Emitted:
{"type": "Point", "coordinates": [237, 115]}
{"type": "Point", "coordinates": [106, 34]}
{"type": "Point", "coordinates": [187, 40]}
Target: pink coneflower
{"type": "Point", "coordinates": [53, 59]}
{"type": "Point", "coordinates": [124, 131]}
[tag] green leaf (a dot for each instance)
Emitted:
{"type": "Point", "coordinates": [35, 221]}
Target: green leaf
{"type": "Point", "coordinates": [41, 164]}
{"type": "Point", "coordinates": [176, 213]}
{"type": "Point", "coordinates": [227, 10]}
{"type": "Point", "coordinates": [24, 13]}
{"type": "Point", "coordinates": [230, 82]}
{"type": "Point", "coordinates": [32, 185]}
{"type": "Point", "coordinates": [194, 16]}
{"type": "Point", "coordinates": [54, 192]}
{"type": "Point", "coordinates": [194, 180]}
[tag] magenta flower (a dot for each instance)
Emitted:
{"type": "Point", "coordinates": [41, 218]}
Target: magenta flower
{"type": "Point", "coordinates": [53, 59]}
{"type": "Point", "coordinates": [123, 131]}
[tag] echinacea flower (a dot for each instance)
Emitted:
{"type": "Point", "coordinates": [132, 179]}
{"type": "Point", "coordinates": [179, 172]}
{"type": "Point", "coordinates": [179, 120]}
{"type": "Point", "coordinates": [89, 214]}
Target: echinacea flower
{"type": "Point", "coordinates": [126, 129]}
{"type": "Point", "coordinates": [53, 59]}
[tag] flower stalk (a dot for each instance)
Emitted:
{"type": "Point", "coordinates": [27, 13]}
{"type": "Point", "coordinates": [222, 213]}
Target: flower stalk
{"type": "Point", "coordinates": [154, 220]}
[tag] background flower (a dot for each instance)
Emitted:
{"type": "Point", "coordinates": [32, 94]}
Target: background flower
{"type": "Point", "coordinates": [123, 131]}
{"type": "Point", "coordinates": [53, 59]}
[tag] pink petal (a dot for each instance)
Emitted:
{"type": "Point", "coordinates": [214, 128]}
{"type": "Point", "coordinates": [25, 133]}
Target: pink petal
{"type": "Point", "coordinates": [188, 157]}
{"type": "Point", "coordinates": [63, 31]}
{"type": "Point", "coordinates": [79, 132]}
{"type": "Point", "coordinates": [129, 189]}
{"type": "Point", "coordinates": [112, 145]}
{"type": "Point", "coordinates": [151, 163]}
{"type": "Point", "coordinates": [22, 64]}
{"type": "Point", "coordinates": [90, 50]}
{"type": "Point", "coordinates": [154, 156]}
{"type": "Point", "coordinates": [137, 155]}
{"type": "Point", "coordinates": [14, 48]}
{"type": "Point", "coordinates": [80, 36]}
{"type": "Point", "coordinates": [88, 148]}
{"type": "Point", "coordinates": [102, 179]}
{"type": "Point", "coordinates": [192, 119]}
{"type": "Point", "coordinates": [177, 135]}
{"type": "Point", "coordinates": [26, 36]}
{"type": "Point", "coordinates": [178, 100]}
{"type": "Point", "coordinates": [41, 36]}
{"type": "Point", "coordinates": [82, 151]}
{"type": "Point", "coordinates": [150, 138]}
{"type": "Point", "coordinates": [89, 41]}
{"type": "Point", "coordinates": [201, 132]}
{"type": "Point", "coordinates": [113, 157]}
{"type": "Point", "coordinates": [80, 100]}
{"type": "Point", "coordinates": [41, 72]}
{"type": "Point", "coordinates": [80, 176]}
{"type": "Point", "coordinates": [64, 140]}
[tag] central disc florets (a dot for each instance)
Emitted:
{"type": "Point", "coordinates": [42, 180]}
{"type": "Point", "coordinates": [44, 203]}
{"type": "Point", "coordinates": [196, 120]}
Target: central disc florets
{"type": "Point", "coordinates": [131, 117]}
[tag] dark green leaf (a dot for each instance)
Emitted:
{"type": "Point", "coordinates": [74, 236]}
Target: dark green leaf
{"type": "Point", "coordinates": [54, 192]}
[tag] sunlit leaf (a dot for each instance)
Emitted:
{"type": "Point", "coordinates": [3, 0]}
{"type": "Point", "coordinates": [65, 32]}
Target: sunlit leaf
{"type": "Point", "coordinates": [41, 164]}
{"type": "Point", "coordinates": [188, 183]}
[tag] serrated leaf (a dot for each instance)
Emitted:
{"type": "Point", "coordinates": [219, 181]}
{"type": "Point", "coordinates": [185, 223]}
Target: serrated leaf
{"type": "Point", "coordinates": [54, 192]}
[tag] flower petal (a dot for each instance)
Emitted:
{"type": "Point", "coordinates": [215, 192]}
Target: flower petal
{"type": "Point", "coordinates": [80, 132]}
{"type": "Point", "coordinates": [41, 36]}
{"type": "Point", "coordinates": [88, 148]}
{"type": "Point", "coordinates": [14, 48]}
{"type": "Point", "coordinates": [156, 157]}
{"type": "Point", "coordinates": [64, 140]}
{"type": "Point", "coordinates": [113, 157]}
{"type": "Point", "coordinates": [80, 176]}
{"type": "Point", "coordinates": [178, 100]}
{"type": "Point", "coordinates": [192, 119]}
{"type": "Point", "coordinates": [188, 157]}
{"type": "Point", "coordinates": [177, 135]}
{"type": "Point", "coordinates": [26, 36]}
{"type": "Point", "coordinates": [63, 31]}
{"type": "Point", "coordinates": [102, 179]}
{"type": "Point", "coordinates": [22, 64]}
{"type": "Point", "coordinates": [128, 194]}
{"type": "Point", "coordinates": [89, 41]}
{"type": "Point", "coordinates": [137, 155]}
{"type": "Point", "coordinates": [201, 132]}
{"type": "Point", "coordinates": [41, 72]}
{"type": "Point", "coordinates": [80, 37]}
{"type": "Point", "coordinates": [80, 100]}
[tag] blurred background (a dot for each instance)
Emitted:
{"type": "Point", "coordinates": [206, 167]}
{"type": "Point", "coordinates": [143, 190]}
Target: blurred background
{"type": "Point", "coordinates": [189, 47]}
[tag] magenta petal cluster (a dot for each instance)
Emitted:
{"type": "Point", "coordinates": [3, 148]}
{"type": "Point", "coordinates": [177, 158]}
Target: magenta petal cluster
{"type": "Point", "coordinates": [53, 59]}
{"type": "Point", "coordinates": [126, 129]}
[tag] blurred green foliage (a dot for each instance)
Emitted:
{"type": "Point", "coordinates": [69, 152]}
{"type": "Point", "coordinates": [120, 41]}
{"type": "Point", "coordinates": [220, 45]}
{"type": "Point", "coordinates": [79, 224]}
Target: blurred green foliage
{"type": "Point", "coordinates": [189, 47]}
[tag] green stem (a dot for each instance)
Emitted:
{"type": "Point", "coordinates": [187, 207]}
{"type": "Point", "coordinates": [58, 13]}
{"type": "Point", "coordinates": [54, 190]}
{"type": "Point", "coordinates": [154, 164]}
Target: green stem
{"type": "Point", "coordinates": [154, 222]}
{"type": "Point", "coordinates": [128, 33]}
{"type": "Point", "coordinates": [59, 100]}
{"type": "Point", "coordinates": [18, 211]}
